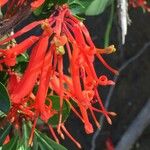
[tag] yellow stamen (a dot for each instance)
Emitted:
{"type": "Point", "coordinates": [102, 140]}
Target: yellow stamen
{"type": "Point", "coordinates": [108, 50]}
{"type": "Point", "coordinates": [46, 26]}
{"type": "Point", "coordinates": [60, 50]}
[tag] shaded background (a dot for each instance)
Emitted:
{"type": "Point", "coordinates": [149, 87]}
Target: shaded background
{"type": "Point", "coordinates": [132, 88]}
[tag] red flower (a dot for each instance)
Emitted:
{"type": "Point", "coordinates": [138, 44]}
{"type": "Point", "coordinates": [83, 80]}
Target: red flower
{"type": "Point", "coordinates": [3, 2]}
{"type": "Point", "coordinates": [36, 3]}
{"type": "Point", "coordinates": [140, 3]}
{"type": "Point", "coordinates": [62, 35]}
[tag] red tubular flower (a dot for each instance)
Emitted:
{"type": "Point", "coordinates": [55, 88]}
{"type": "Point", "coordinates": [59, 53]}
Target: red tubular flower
{"type": "Point", "coordinates": [37, 3]}
{"type": "Point", "coordinates": [63, 34]}
{"type": "Point", "coordinates": [10, 54]}
{"type": "Point", "coordinates": [3, 2]}
{"type": "Point", "coordinates": [140, 3]}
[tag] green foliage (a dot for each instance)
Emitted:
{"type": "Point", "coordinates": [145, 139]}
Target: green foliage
{"type": "Point", "coordinates": [22, 61]}
{"type": "Point", "coordinates": [23, 58]}
{"type": "Point", "coordinates": [4, 99]}
{"type": "Point", "coordinates": [79, 6]}
{"type": "Point", "coordinates": [87, 7]}
{"type": "Point", "coordinates": [56, 106]}
{"type": "Point", "coordinates": [12, 145]}
{"type": "Point", "coordinates": [17, 142]}
{"type": "Point", "coordinates": [60, 2]}
{"type": "Point", "coordinates": [4, 132]}
{"type": "Point", "coordinates": [44, 10]}
{"type": "Point", "coordinates": [97, 7]}
{"type": "Point", "coordinates": [22, 143]}
{"type": "Point", "coordinates": [45, 143]}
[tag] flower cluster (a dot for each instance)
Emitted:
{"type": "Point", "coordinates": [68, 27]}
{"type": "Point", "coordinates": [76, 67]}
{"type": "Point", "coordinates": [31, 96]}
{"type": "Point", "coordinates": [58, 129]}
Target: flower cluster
{"type": "Point", "coordinates": [140, 3]}
{"type": "Point", "coordinates": [64, 39]}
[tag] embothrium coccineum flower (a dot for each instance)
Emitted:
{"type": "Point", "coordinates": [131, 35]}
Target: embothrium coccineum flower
{"type": "Point", "coordinates": [63, 35]}
{"type": "Point", "coordinates": [140, 3]}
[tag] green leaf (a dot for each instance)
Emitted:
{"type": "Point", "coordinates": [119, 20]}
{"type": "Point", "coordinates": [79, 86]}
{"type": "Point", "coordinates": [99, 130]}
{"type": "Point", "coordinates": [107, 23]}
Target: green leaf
{"type": "Point", "coordinates": [97, 7]}
{"type": "Point", "coordinates": [23, 141]}
{"type": "Point", "coordinates": [22, 62]}
{"type": "Point", "coordinates": [20, 67]}
{"type": "Point", "coordinates": [23, 58]}
{"type": "Point", "coordinates": [44, 10]}
{"type": "Point", "coordinates": [46, 143]}
{"type": "Point", "coordinates": [4, 99]}
{"type": "Point", "coordinates": [12, 145]}
{"type": "Point", "coordinates": [4, 132]}
{"type": "Point", "coordinates": [38, 11]}
{"type": "Point", "coordinates": [60, 2]}
{"type": "Point", "coordinates": [35, 144]}
{"type": "Point", "coordinates": [2, 114]}
{"type": "Point", "coordinates": [3, 77]}
{"type": "Point", "coordinates": [79, 6]}
{"type": "Point", "coordinates": [56, 106]}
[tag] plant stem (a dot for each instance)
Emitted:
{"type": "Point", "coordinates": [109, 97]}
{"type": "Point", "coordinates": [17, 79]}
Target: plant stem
{"type": "Point", "coordinates": [109, 26]}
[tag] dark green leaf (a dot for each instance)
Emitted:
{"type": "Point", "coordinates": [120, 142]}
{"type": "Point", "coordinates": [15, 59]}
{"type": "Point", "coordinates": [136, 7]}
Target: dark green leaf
{"type": "Point", "coordinates": [20, 67]}
{"type": "Point", "coordinates": [97, 7]}
{"type": "Point", "coordinates": [38, 11]}
{"type": "Point", "coordinates": [60, 2]}
{"type": "Point", "coordinates": [35, 144]}
{"type": "Point", "coordinates": [23, 140]}
{"type": "Point", "coordinates": [44, 10]}
{"type": "Point", "coordinates": [56, 106]}
{"type": "Point", "coordinates": [12, 145]}
{"type": "Point", "coordinates": [4, 132]}
{"type": "Point", "coordinates": [23, 58]}
{"type": "Point", "coordinates": [4, 99]}
{"type": "Point", "coordinates": [46, 143]}
{"type": "Point", "coordinates": [3, 77]}
{"type": "Point", "coordinates": [79, 6]}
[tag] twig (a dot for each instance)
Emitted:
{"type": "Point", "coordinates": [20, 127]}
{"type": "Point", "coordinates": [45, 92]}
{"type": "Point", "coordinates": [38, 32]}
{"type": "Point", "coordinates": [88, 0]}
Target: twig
{"type": "Point", "coordinates": [111, 90]}
{"type": "Point", "coordinates": [7, 25]}
{"type": "Point", "coordinates": [135, 129]}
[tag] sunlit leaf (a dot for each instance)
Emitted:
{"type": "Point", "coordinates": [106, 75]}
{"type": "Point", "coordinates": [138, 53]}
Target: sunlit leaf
{"type": "Point", "coordinates": [97, 7]}
{"type": "Point", "coordinates": [79, 6]}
